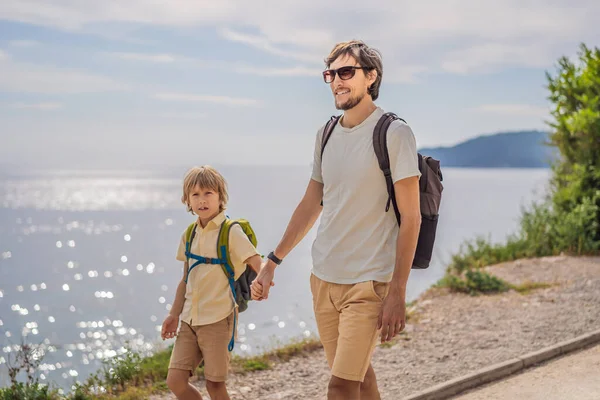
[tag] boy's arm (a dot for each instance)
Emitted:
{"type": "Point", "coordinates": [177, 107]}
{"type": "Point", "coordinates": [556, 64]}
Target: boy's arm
{"type": "Point", "coordinates": [254, 262]}
{"type": "Point", "coordinates": [177, 307]}
{"type": "Point", "coordinates": [302, 220]}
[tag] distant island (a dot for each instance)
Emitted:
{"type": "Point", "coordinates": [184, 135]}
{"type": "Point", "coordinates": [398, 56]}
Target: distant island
{"type": "Point", "coordinates": [523, 149]}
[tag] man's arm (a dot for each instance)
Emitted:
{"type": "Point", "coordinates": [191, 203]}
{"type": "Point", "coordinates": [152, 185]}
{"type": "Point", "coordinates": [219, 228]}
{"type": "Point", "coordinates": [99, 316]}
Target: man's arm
{"type": "Point", "coordinates": [408, 200]}
{"type": "Point", "coordinates": [302, 220]}
{"type": "Point", "coordinates": [392, 318]}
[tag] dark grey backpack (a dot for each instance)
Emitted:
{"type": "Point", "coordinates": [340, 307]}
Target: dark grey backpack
{"type": "Point", "coordinates": [430, 186]}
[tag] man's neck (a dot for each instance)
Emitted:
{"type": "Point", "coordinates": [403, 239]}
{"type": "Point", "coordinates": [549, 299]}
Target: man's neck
{"type": "Point", "coordinates": [357, 114]}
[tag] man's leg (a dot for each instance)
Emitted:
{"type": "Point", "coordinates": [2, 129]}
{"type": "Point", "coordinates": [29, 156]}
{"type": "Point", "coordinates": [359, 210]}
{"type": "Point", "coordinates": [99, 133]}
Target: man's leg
{"type": "Point", "coordinates": [344, 389]}
{"type": "Point", "coordinates": [353, 376]}
{"type": "Point", "coordinates": [217, 390]}
{"type": "Point", "coordinates": [326, 316]}
{"type": "Point", "coordinates": [368, 387]}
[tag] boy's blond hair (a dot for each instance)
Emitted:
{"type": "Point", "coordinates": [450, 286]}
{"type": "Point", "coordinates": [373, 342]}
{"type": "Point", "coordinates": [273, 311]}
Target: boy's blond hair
{"type": "Point", "coordinates": [207, 178]}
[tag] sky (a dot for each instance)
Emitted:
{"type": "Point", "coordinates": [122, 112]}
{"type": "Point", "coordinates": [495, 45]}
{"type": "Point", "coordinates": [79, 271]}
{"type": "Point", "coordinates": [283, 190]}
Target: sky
{"type": "Point", "coordinates": [121, 84]}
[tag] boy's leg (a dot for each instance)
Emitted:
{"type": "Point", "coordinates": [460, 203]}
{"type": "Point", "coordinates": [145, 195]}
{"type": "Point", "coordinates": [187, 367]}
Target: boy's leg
{"type": "Point", "coordinates": [178, 382]}
{"type": "Point", "coordinates": [360, 305]}
{"type": "Point", "coordinates": [213, 340]}
{"type": "Point", "coordinates": [186, 356]}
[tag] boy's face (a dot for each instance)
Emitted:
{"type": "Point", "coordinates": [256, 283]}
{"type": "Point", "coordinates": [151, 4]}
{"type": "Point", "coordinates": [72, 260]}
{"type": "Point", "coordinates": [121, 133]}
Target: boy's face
{"type": "Point", "coordinates": [204, 202]}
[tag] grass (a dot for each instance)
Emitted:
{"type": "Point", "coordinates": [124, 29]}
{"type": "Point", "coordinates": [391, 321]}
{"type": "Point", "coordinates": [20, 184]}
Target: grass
{"type": "Point", "coordinates": [401, 336]}
{"type": "Point", "coordinates": [133, 377]}
{"type": "Point", "coordinates": [474, 282]}
{"type": "Point", "coordinates": [283, 353]}
{"type": "Point", "coordinates": [527, 287]}
{"type": "Point", "coordinates": [544, 230]}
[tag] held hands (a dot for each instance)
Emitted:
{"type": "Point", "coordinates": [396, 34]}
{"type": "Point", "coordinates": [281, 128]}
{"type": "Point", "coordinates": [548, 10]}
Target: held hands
{"type": "Point", "coordinates": [263, 282]}
{"type": "Point", "coordinates": [392, 317]}
{"type": "Point", "coordinates": [169, 327]}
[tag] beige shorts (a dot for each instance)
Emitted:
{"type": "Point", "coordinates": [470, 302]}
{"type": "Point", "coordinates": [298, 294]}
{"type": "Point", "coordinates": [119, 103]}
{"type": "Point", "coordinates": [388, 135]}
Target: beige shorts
{"type": "Point", "coordinates": [204, 342]}
{"type": "Point", "coordinates": [346, 318]}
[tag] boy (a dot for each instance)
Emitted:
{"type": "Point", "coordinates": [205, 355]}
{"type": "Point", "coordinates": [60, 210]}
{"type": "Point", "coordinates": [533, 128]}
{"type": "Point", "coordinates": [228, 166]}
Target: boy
{"type": "Point", "coordinates": [204, 300]}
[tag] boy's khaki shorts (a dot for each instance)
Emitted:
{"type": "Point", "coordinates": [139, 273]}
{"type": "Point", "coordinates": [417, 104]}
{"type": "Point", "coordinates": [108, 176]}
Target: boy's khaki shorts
{"type": "Point", "coordinates": [346, 318]}
{"type": "Point", "coordinates": [204, 342]}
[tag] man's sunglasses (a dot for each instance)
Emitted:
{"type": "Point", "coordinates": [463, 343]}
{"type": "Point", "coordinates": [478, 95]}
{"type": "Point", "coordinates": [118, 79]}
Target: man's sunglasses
{"type": "Point", "coordinates": [344, 73]}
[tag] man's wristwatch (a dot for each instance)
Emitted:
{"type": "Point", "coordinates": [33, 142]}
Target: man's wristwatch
{"type": "Point", "coordinates": [273, 258]}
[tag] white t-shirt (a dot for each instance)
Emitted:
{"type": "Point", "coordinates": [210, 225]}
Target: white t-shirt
{"type": "Point", "coordinates": [356, 238]}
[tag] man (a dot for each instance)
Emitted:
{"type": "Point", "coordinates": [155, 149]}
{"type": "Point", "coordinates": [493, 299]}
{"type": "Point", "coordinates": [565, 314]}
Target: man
{"type": "Point", "coordinates": [361, 258]}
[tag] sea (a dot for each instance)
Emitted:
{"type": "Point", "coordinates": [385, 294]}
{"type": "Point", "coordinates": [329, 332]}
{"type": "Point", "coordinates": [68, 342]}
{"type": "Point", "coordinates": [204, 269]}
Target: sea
{"type": "Point", "coordinates": [88, 268]}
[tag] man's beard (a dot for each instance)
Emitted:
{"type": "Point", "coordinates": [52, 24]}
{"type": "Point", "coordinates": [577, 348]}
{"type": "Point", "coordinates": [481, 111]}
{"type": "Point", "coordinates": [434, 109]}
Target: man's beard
{"type": "Point", "coordinates": [350, 103]}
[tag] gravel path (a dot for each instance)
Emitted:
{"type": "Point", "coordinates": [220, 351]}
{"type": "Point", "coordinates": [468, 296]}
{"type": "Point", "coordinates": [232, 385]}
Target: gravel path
{"type": "Point", "coordinates": [454, 334]}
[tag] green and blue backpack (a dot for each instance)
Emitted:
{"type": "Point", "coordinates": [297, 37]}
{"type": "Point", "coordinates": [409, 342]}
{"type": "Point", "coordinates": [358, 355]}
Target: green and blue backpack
{"type": "Point", "coordinates": [240, 287]}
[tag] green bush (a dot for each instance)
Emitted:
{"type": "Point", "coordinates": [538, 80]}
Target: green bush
{"type": "Point", "coordinates": [118, 371]}
{"type": "Point", "coordinates": [29, 391]}
{"type": "Point", "coordinates": [568, 219]}
{"type": "Point", "coordinates": [475, 281]}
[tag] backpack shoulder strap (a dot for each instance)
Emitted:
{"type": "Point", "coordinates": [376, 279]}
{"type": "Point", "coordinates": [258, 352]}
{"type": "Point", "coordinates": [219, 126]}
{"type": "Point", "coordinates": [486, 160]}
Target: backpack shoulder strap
{"type": "Point", "coordinates": [248, 230]}
{"type": "Point", "coordinates": [190, 232]}
{"type": "Point", "coordinates": [227, 266]}
{"type": "Point", "coordinates": [223, 247]}
{"type": "Point", "coordinates": [327, 131]}
{"type": "Point", "coordinates": [383, 157]}
{"type": "Point", "coordinates": [327, 134]}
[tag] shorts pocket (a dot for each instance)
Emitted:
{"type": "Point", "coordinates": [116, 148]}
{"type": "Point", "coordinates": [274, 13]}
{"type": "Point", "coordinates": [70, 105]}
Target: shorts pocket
{"type": "Point", "coordinates": [379, 289]}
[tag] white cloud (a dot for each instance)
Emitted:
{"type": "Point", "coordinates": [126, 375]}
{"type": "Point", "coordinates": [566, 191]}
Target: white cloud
{"type": "Point", "coordinates": [194, 98]}
{"type": "Point", "coordinates": [492, 57]}
{"type": "Point", "coordinates": [182, 115]}
{"type": "Point", "coordinates": [38, 106]}
{"type": "Point", "coordinates": [523, 110]}
{"type": "Point", "coordinates": [23, 43]}
{"type": "Point", "coordinates": [264, 44]}
{"type": "Point", "coordinates": [154, 58]}
{"type": "Point", "coordinates": [3, 55]}
{"type": "Point", "coordinates": [268, 71]}
{"type": "Point", "coordinates": [237, 67]}
{"type": "Point", "coordinates": [455, 36]}
{"type": "Point", "coordinates": [30, 78]}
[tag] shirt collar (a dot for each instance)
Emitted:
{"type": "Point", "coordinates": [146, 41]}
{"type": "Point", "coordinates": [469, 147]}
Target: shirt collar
{"type": "Point", "coordinates": [214, 223]}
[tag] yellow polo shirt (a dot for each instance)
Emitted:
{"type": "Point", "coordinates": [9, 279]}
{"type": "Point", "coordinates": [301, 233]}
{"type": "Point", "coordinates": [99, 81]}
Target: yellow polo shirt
{"type": "Point", "coordinates": [208, 297]}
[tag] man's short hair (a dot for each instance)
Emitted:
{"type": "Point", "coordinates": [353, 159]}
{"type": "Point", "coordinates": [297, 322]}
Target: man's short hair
{"type": "Point", "coordinates": [364, 55]}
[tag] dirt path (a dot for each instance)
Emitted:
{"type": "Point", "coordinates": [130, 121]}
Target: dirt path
{"type": "Point", "coordinates": [454, 334]}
